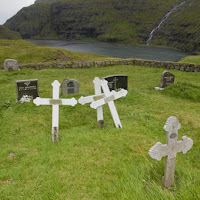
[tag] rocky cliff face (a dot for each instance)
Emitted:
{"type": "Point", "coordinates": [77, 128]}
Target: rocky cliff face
{"type": "Point", "coordinates": [127, 21]}
{"type": "Point", "coordinates": [182, 29]}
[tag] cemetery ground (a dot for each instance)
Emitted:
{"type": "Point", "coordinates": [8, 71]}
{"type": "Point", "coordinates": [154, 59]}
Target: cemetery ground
{"type": "Point", "coordinates": [92, 163]}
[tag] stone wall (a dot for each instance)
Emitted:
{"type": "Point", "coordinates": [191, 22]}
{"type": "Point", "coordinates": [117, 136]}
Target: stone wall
{"type": "Point", "coordinates": [186, 67]}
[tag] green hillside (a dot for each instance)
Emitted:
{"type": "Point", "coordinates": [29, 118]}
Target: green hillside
{"type": "Point", "coordinates": [89, 163]}
{"type": "Point", "coordinates": [6, 33]}
{"type": "Point", "coordinates": [26, 52]}
{"type": "Point", "coordinates": [106, 20]}
{"type": "Point", "coordinates": [182, 29]}
{"type": "Point", "coordinates": [122, 21]}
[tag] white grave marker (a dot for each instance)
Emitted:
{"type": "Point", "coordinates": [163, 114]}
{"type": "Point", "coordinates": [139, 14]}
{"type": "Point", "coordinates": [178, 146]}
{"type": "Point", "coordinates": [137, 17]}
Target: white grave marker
{"type": "Point", "coordinates": [170, 149]}
{"type": "Point", "coordinates": [99, 99]}
{"type": "Point", "coordinates": [55, 102]}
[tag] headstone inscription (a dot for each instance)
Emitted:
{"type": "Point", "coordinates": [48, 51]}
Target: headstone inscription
{"type": "Point", "coordinates": [99, 99]}
{"type": "Point", "coordinates": [55, 102]}
{"type": "Point", "coordinates": [167, 78]}
{"type": "Point", "coordinates": [116, 82]}
{"type": "Point", "coordinates": [11, 64]}
{"type": "Point", "coordinates": [170, 149]}
{"type": "Point", "coordinates": [28, 88]}
{"type": "Point", "coordinates": [69, 86]}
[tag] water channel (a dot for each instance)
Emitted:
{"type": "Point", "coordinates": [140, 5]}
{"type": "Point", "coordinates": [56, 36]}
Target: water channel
{"type": "Point", "coordinates": [117, 50]}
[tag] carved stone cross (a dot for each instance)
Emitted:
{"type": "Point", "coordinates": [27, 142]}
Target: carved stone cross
{"type": "Point", "coordinates": [99, 99]}
{"type": "Point", "coordinates": [55, 102]}
{"type": "Point", "coordinates": [170, 149]}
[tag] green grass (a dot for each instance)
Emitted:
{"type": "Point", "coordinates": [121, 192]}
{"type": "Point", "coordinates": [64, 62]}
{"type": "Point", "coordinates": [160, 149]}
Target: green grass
{"type": "Point", "coordinates": [26, 52]}
{"type": "Point", "coordinates": [89, 163]}
{"type": "Point", "coordinates": [191, 59]}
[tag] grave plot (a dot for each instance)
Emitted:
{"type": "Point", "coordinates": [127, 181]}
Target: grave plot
{"type": "Point", "coordinates": [55, 102]}
{"type": "Point", "coordinates": [69, 86]}
{"type": "Point", "coordinates": [27, 89]}
{"type": "Point", "coordinates": [170, 149]}
{"type": "Point", "coordinates": [100, 99]}
{"type": "Point", "coordinates": [116, 82]}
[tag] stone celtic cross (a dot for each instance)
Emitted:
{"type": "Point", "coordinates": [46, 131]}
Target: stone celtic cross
{"type": "Point", "coordinates": [170, 149]}
{"type": "Point", "coordinates": [55, 102]}
{"type": "Point", "coordinates": [99, 99]}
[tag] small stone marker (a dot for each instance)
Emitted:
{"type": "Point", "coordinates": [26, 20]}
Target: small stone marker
{"type": "Point", "coordinates": [170, 149]}
{"type": "Point", "coordinates": [11, 64]}
{"type": "Point", "coordinates": [99, 99]}
{"type": "Point", "coordinates": [167, 78]}
{"type": "Point", "coordinates": [27, 88]}
{"type": "Point", "coordinates": [117, 82]}
{"type": "Point", "coordinates": [55, 102]}
{"type": "Point", "coordinates": [69, 86]}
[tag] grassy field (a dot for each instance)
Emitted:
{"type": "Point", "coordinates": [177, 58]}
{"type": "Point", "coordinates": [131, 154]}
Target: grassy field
{"type": "Point", "coordinates": [26, 52]}
{"type": "Point", "coordinates": [191, 59]}
{"type": "Point", "coordinates": [89, 163]}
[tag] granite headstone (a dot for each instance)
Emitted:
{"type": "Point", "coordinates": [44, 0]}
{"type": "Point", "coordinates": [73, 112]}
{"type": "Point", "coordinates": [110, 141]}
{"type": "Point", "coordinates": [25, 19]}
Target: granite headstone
{"type": "Point", "coordinates": [69, 86]}
{"type": "Point", "coordinates": [116, 82]}
{"type": "Point", "coordinates": [11, 64]}
{"type": "Point", "coordinates": [27, 88]}
{"type": "Point", "coordinates": [167, 78]}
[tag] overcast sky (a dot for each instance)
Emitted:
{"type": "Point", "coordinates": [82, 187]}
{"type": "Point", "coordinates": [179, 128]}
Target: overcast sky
{"type": "Point", "coordinates": [8, 8]}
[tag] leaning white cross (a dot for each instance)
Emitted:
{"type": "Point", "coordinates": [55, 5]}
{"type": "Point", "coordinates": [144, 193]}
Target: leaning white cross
{"type": "Point", "coordinates": [55, 102]}
{"type": "Point", "coordinates": [170, 149]}
{"type": "Point", "coordinates": [99, 99]}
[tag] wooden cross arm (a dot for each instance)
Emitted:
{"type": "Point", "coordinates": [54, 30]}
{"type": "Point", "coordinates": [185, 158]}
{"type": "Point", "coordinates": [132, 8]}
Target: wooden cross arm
{"type": "Point", "coordinates": [184, 145]}
{"type": "Point", "coordinates": [113, 96]}
{"type": "Point", "coordinates": [158, 151]}
{"type": "Point", "coordinates": [41, 101]}
{"type": "Point", "coordinates": [83, 100]}
{"type": "Point", "coordinates": [47, 101]}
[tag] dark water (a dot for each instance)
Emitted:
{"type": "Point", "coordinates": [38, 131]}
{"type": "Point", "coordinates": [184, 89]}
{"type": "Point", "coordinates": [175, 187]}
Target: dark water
{"type": "Point", "coordinates": [117, 50]}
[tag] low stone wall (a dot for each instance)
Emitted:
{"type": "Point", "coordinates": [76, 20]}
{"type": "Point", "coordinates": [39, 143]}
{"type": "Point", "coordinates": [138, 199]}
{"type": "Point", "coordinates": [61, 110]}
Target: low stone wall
{"type": "Point", "coordinates": [186, 67]}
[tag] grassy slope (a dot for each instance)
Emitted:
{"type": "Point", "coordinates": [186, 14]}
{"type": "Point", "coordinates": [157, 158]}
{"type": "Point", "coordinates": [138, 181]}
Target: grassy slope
{"type": "Point", "coordinates": [6, 33]}
{"type": "Point", "coordinates": [191, 59]}
{"type": "Point", "coordinates": [26, 52]}
{"type": "Point", "coordinates": [88, 163]}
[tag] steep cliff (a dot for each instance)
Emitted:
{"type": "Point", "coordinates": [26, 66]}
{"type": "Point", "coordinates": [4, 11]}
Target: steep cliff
{"type": "Point", "coordinates": [182, 29]}
{"type": "Point", "coordinates": [127, 21]}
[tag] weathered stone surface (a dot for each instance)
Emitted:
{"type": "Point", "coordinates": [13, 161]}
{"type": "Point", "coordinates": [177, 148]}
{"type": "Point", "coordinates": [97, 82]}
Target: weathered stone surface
{"type": "Point", "coordinates": [11, 64]}
{"type": "Point", "coordinates": [70, 86]}
{"type": "Point", "coordinates": [167, 78]}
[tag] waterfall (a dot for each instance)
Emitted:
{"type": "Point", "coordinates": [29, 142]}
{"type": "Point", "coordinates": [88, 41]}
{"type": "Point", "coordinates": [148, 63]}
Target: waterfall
{"type": "Point", "coordinates": [163, 20]}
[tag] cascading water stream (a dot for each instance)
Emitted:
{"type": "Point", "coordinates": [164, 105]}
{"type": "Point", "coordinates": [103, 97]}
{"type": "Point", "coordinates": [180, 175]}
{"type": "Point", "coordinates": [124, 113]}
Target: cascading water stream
{"type": "Point", "coordinates": [163, 20]}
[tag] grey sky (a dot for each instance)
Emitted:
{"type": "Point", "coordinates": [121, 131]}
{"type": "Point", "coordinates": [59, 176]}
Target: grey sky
{"type": "Point", "coordinates": [8, 8]}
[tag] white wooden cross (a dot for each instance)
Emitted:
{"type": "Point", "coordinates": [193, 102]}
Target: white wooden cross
{"type": "Point", "coordinates": [170, 149]}
{"type": "Point", "coordinates": [99, 99]}
{"type": "Point", "coordinates": [55, 102]}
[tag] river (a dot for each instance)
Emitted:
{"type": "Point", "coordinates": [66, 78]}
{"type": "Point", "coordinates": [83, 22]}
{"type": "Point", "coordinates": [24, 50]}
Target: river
{"type": "Point", "coordinates": [117, 50]}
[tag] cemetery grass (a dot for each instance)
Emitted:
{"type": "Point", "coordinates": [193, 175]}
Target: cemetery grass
{"type": "Point", "coordinates": [89, 163]}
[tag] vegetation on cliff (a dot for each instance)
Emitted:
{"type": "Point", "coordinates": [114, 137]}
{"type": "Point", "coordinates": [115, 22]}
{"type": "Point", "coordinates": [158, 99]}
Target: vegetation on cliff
{"type": "Point", "coordinates": [111, 20]}
{"type": "Point", "coordinates": [6, 33]}
{"type": "Point", "coordinates": [107, 20]}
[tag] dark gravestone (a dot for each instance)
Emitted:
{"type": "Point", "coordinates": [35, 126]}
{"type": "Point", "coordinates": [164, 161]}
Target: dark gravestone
{"type": "Point", "coordinates": [167, 78]}
{"type": "Point", "coordinates": [27, 88]}
{"type": "Point", "coordinates": [116, 82]}
{"type": "Point", "coordinates": [70, 86]}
